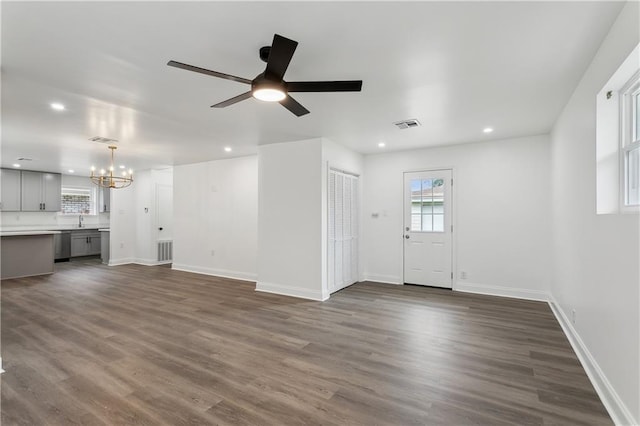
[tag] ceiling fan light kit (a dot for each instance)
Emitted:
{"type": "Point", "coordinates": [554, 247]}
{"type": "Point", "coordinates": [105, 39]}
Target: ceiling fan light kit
{"type": "Point", "coordinates": [268, 91]}
{"type": "Point", "coordinates": [270, 86]}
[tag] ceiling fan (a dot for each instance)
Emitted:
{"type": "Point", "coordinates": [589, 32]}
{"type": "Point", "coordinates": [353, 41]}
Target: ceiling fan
{"type": "Point", "coordinates": [270, 85]}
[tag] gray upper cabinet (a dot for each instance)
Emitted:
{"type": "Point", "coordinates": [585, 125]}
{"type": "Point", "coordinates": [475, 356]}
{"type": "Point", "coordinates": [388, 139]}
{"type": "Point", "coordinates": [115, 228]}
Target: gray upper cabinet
{"type": "Point", "coordinates": [105, 200]}
{"type": "Point", "coordinates": [41, 191]}
{"type": "Point", "coordinates": [10, 201]}
{"type": "Point", "coordinates": [52, 196]}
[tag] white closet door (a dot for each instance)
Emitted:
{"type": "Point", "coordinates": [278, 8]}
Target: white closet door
{"type": "Point", "coordinates": [343, 230]}
{"type": "Point", "coordinates": [331, 229]}
{"type": "Point", "coordinates": [339, 231]}
{"type": "Point", "coordinates": [354, 230]}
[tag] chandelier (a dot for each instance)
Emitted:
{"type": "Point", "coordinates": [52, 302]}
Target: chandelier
{"type": "Point", "coordinates": [108, 179]}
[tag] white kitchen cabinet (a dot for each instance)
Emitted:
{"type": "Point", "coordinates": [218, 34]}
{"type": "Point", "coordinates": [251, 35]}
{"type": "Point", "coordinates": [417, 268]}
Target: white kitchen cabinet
{"type": "Point", "coordinates": [85, 243]}
{"type": "Point", "coordinates": [40, 191]}
{"type": "Point", "coordinates": [10, 201]}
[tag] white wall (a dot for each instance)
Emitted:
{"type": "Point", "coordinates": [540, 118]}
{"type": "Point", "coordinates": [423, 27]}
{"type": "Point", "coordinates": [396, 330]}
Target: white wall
{"type": "Point", "coordinates": [501, 214]}
{"type": "Point", "coordinates": [134, 233]}
{"type": "Point", "coordinates": [290, 219]}
{"type": "Point", "coordinates": [216, 217]}
{"type": "Point", "coordinates": [122, 238]}
{"type": "Point", "coordinates": [146, 209]}
{"type": "Point", "coordinates": [597, 256]}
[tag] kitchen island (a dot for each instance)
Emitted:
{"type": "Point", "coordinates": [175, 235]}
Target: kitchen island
{"type": "Point", "coordinates": [26, 253]}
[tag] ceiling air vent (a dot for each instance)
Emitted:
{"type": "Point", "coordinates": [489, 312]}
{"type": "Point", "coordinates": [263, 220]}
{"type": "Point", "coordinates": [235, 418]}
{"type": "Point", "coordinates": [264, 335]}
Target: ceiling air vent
{"type": "Point", "coordinates": [407, 124]}
{"type": "Point", "coordinates": [102, 140]}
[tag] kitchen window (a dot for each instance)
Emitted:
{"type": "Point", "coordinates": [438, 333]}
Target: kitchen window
{"type": "Point", "coordinates": [77, 200]}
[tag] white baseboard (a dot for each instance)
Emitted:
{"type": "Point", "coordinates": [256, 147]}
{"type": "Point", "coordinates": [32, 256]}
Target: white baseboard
{"type": "Point", "coordinates": [385, 279]}
{"type": "Point", "coordinates": [224, 273]}
{"type": "Point", "coordinates": [122, 261]}
{"type": "Point", "coordinates": [150, 262]}
{"type": "Point", "coordinates": [137, 261]}
{"type": "Point", "coordinates": [609, 397]}
{"type": "Point", "coordinates": [494, 290]}
{"type": "Point", "coordinates": [291, 291]}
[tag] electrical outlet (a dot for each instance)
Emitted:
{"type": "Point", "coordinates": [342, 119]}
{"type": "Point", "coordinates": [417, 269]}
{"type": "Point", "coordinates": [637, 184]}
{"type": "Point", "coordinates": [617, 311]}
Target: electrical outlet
{"type": "Point", "coordinates": [463, 275]}
{"type": "Point", "coordinates": [573, 316]}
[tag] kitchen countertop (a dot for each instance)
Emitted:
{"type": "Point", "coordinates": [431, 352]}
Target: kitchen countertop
{"type": "Point", "coordinates": [22, 233]}
{"type": "Point", "coordinates": [104, 229]}
{"type": "Point", "coordinates": [52, 228]}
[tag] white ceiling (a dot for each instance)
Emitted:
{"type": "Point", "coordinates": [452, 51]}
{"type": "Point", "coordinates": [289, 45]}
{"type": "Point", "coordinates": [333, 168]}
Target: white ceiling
{"type": "Point", "coordinates": [457, 67]}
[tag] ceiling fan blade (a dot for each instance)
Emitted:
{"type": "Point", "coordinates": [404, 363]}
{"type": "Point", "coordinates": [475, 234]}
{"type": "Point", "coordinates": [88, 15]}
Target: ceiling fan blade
{"type": "Point", "coordinates": [233, 100]}
{"type": "Point", "coordinates": [280, 55]}
{"type": "Point", "coordinates": [208, 72]}
{"type": "Point", "coordinates": [293, 106]}
{"type": "Point", "coordinates": [324, 86]}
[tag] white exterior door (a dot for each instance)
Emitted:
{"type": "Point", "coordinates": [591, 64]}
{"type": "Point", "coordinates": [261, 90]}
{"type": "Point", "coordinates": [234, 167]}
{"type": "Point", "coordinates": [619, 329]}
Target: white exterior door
{"type": "Point", "coordinates": [428, 228]}
{"type": "Point", "coordinates": [342, 240]}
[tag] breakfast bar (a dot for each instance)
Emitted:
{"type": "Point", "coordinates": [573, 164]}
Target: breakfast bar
{"type": "Point", "coordinates": [26, 253]}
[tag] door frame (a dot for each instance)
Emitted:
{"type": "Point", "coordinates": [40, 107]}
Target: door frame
{"type": "Point", "coordinates": [454, 217]}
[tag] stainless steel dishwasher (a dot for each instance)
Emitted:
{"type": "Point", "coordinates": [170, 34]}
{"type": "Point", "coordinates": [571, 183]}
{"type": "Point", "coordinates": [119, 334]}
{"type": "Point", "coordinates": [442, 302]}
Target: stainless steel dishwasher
{"type": "Point", "coordinates": [62, 244]}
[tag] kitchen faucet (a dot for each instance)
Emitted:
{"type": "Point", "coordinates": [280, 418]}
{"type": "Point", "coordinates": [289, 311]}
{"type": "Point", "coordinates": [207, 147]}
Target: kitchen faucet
{"type": "Point", "coordinates": [80, 221]}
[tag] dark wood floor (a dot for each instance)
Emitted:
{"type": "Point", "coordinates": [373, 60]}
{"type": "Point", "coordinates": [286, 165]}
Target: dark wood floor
{"type": "Point", "coordinates": [148, 345]}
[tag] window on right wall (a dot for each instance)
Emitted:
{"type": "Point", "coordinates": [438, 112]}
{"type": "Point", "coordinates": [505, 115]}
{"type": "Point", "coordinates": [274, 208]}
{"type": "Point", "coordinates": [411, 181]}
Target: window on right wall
{"type": "Point", "coordinates": [630, 141]}
{"type": "Point", "coordinates": [618, 140]}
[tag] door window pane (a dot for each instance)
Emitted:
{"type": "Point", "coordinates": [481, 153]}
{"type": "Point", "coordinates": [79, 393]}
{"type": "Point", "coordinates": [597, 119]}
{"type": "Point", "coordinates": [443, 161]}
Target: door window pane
{"type": "Point", "coordinates": [427, 222]}
{"type": "Point", "coordinates": [438, 223]}
{"type": "Point", "coordinates": [416, 223]}
{"type": "Point", "coordinates": [416, 190]}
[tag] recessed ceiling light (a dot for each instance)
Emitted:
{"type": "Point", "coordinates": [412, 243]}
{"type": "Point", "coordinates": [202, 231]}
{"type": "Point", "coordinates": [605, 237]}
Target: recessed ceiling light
{"type": "Point", "coordinates": [57, 106]}
{"type": "Point", "coordinates": [16, 165]}
{"type": "Point", "coordinates": [71, 171]}
{"type": "Point", "coordinates": [122, 166]}
{"type": "Point", "coordinates": [488, 129]}
{"type": "Point", "coordinates": [227, 148]}
{"type": "Point", "coordinates": [381, 145]}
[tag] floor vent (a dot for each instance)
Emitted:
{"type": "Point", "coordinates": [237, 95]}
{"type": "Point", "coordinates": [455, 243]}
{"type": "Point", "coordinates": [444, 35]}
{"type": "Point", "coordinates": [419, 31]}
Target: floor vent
{"type": "Point", "coordinates": [165, 250]}
{"type": "Point", "coordinates": [406, 124]}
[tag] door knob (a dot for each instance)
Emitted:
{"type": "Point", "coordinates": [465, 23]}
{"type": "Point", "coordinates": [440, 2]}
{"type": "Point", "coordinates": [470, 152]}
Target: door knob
{"type": "Point", "coordinates": [406, 236]}
{"type": "Point", "coordinates": [407, 229]}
